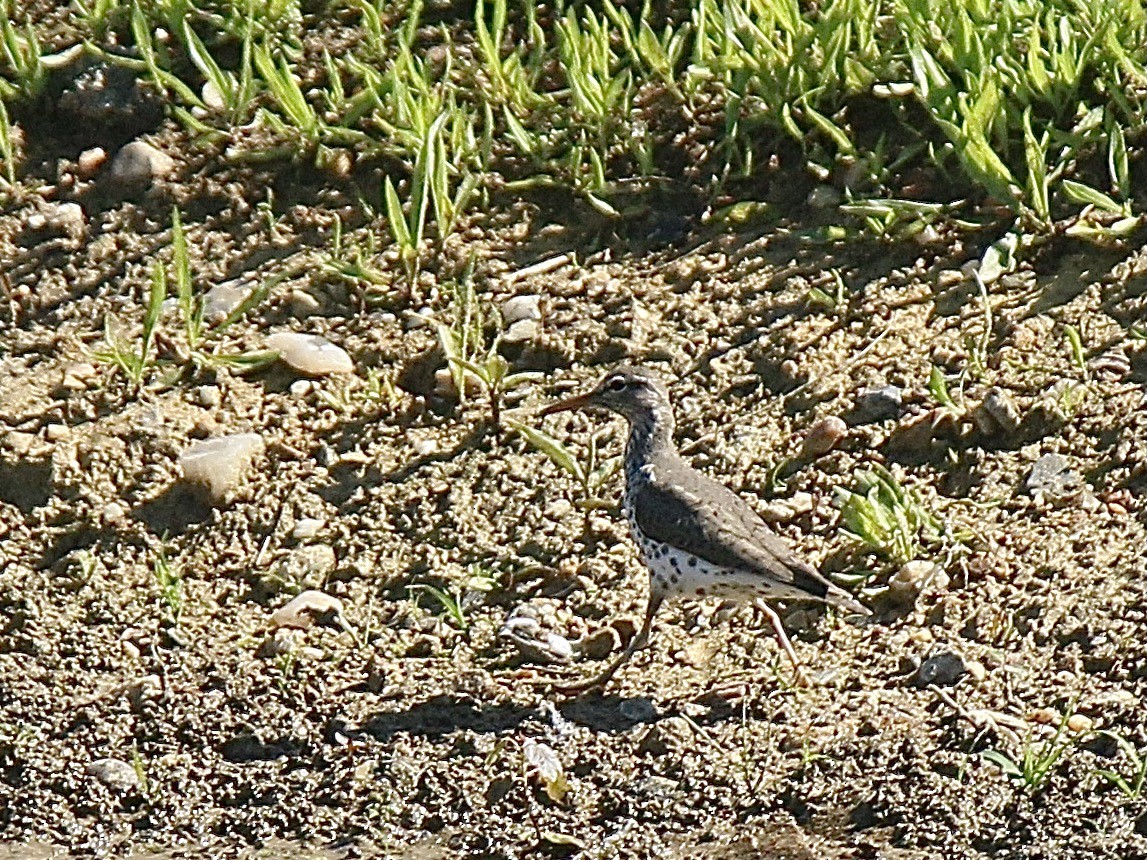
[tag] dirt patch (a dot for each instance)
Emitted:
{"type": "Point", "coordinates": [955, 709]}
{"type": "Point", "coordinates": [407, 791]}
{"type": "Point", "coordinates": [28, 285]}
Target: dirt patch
{"type": "Point", "coordinates": [405, 734]}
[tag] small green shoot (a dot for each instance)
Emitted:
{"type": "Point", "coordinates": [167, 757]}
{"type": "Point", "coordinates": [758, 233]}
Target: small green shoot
{"type": "Point", "coordinates": [1130, 786]}
{"type": "Point", "coordinates": [134, 362]}
{"type": "Point", "coordinates": [590, 474]}
{"type": "Point", "coordinates": [1037, 760]}
{"type": "Point", "coordinates": [170, 581]}
{"type": "Point", "coordinates": [938, 386]}
{"type": "Point", "coordinates": [1075, 347]}
{"type": "Point", "coordinates": [473, 358]}
{"type": "Point", "coordinates": [450, 602]}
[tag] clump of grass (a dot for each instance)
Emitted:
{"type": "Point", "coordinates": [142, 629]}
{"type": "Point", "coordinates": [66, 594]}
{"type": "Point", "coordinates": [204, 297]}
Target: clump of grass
{"type": "Point", "coordinates": [1036, 760]}
{"type": "Point", "coordinates": [591, 473]}
{"type": "Point", "coordinates": [473, 356]}
{"type": "Point", "coordinates": [887, 517]}
{"type": "Point", "coordinates": [1131, 785]}
{"type": "Point", "coordinates": [135, 360]}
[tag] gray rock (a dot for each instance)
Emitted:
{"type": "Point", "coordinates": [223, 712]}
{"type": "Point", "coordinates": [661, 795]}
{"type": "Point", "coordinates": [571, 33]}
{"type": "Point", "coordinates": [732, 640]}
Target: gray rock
{"type": "Point", "coordinates": [115, 774]}
{"type": "Point", "coordinates": [310, 354]}
{"type": "Point", "coordinates": [1051, 475]}
{"type": "Point", "coordinates": [943, 667]}
{"type": "Point", "coordinates": [523, 331]}
{"type": "Point", "coordinates": [306, 566]}
{"type": "Point", "coordinates": [997, 413]}
{"type": "Point", "coordinates": [877, 403]}
{"type": "Point", "coordinates": [520, 308]}
{"type": "Point", "coordinates": [220, 464]}
{"type": "Point", "coordinates": [140, 164]}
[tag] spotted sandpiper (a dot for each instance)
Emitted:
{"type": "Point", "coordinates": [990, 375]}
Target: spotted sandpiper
{"type": "Point", "coordinates": [697, 537]}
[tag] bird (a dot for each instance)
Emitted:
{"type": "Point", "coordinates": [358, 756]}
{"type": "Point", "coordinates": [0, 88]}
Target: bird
{"type": "Point", "coordinates": [697, 537]}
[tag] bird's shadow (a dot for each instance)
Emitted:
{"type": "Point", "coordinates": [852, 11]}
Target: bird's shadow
{"type": "Point", "coordinates": [443, 715]}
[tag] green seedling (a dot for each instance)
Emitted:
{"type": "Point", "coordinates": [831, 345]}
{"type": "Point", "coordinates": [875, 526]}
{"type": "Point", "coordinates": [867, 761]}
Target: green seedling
{"type": "Point", "coordinates": [20, 52]}
{"type": "Point", "coordinates": [140, 768]}
{"type": "Point", "coordinates": [474, 358]}
{"type": "Point", "coordinates": [170, 581]}
{"type": "Point", "coordinates": [450, 602]}
{"type": "Point", "coordinates": [938, 386]}
{"type": "Point", "coordinates": [824, 299]}
{"type": "Point", "coordinates": [7, 147]}
{"type": "Point", "coordinates": [887, 517]}
{"type": "Point", "coordinates": [197, 333]}
{"type": "Point", "coordinates": [591, 474]}
{"type": "Point", "coordinates": [1132, 785]}
{"type": "Point", "coordinates": [135, 362]}
{"type": "Point", "coordinates": [1075, 348]}
{"type": "Point", "coordinates": [1036, 760]}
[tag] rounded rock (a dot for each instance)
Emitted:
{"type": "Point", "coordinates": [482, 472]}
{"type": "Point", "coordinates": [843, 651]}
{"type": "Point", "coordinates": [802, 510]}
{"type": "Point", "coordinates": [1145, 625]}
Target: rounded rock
{"type": "Point", "coordinates": [310, 353]}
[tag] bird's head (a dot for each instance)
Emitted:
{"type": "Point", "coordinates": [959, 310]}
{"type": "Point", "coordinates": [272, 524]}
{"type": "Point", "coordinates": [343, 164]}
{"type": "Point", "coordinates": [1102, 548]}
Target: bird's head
{"type": "Point", "coordinates": [630, 391]}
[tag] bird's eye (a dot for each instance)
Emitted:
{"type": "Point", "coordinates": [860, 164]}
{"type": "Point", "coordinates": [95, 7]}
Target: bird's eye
{"type": "Point", "coordinates": [616, 384]}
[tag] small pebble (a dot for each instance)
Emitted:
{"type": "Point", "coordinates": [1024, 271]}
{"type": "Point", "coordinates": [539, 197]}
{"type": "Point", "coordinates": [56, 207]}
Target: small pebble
{"type": "Point", "coordinates": [1080, 723]}
{"type": "Point", "coordinates": [823, 436]}
{"type": "Point", "coordinates": [220, 464]}
{"type": "Point", "coordinates": [784, 510]}
{"type": "Point", "coordinates": [300, 388]}
{"type": "Point", "coordinates": [115, 774]}
{"type": "Point", "coordinates": [305, 609]}
{"type": "Point", "coordinates": [209, 396]}
{"type": "Point", "coordinates": [56, 432]}
{"type": "Point", "coordinates": [1051, 475]}
{"type": "Point", "coordinates": [90, 161]}
{"type": "Point", "coordinates": [307, 528]}
{"type": "Point", "coordinates": [139, 164]}
{"type": "Point", "coordinates": [943, 667]}
{"type": "Point", "coordinates": [520, 308]}
{"type": "Point", "coordinates": [878, 403]}
{"type": "Point", "coordinates": [310, 353]}
{"type": "Point", "coordinates": [114, 512]}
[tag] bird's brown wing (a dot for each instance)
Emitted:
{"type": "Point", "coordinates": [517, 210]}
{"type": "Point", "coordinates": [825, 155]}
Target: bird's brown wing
{"type": "Point", "coordinates": [696, 514]}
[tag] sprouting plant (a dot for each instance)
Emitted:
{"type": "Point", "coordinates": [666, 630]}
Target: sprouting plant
{"type": "Point", "coordinates": [830, 301]}
{"type": "Point", "coordinates": [472, 357]}
{"type": "Point", "coordinates": [1036, 760]}
{"type": "Point", "coordinates": [938, 386]}
{"type": "Point", "coordinates": [1075, 347]}
{"type": "Point", "coordinates": [1132, 785]}
{"type": "Point", "coordinates": [140, 768]}
{"type": "Point", "coordinates": [193, 307]}
{"type": "Point", "coordinates": [169, 578]}
{"type": "Point", "coordinates": [887, 517]}
{"type": "Point", "coordinates": [134, 361]}
{"type": "Point", "coordinates": [450, 602]}
{"type": "Point", "coordinates": [20, 53]}
{"type": "Point", "coordinates": [590, 474]}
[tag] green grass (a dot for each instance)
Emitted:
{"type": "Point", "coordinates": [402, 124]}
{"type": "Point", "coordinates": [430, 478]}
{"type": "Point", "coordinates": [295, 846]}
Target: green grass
{"type": "Point", "coordinates": [1019, 113]}
{"type": "Point", "coordinates": [887, 517]}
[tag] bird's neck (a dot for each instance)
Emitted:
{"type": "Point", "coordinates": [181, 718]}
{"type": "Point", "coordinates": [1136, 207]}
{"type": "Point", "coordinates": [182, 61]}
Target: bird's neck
{"type": "Point", "coordinates": [650, 433]}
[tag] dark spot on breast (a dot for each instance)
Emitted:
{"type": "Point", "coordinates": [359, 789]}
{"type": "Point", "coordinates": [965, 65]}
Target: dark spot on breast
{"type": "Point", "coordinates": [692, 561]}
{"type": "Point", "coordinates": [700, 592]}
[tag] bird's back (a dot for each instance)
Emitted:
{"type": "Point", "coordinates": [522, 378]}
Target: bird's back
{"type": "Point", "coordinates": [675, 504]}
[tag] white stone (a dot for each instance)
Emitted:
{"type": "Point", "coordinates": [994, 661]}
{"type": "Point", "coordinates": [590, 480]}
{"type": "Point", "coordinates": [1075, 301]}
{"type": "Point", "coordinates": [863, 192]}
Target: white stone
{"type": "Point", "coordinates": [220, 464]}
{"type": "Point", "coordinates": [521, 308]}
{"type": "Point", "coordinates": [307, 528]}
{"type": "Point", "coordinates": [310, 354]}
{"type": "Point", "coordinates": [139, 163]}
{"type": "Point", "coordinates": [302, 611]}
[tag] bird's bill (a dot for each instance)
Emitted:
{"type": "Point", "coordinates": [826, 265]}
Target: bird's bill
{"type": "Point", "coordinates": [570, 403]}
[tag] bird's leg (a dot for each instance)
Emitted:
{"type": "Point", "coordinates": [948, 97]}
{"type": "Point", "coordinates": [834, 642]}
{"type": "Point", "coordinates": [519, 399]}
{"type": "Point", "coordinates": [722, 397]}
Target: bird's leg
{"type": "Point", "coordinates": [639, 641]}
{"type": "Point", "coordinates": [783, 639]}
